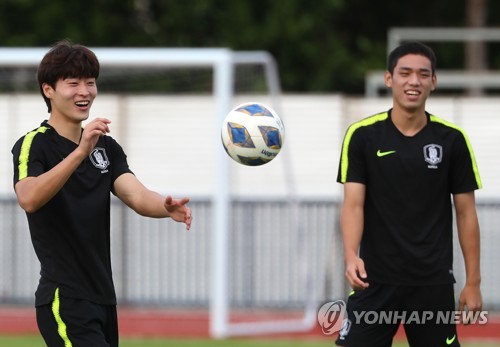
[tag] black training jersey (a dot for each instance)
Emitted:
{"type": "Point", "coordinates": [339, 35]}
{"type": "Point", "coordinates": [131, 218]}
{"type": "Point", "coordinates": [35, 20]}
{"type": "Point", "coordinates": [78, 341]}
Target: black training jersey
{"type": "Point", "coordinates": [407, 237]}
{"type": "Point", "coordinates": [71, 233]}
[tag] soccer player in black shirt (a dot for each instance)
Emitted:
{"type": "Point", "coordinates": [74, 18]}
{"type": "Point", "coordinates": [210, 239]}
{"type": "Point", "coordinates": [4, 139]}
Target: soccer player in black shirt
{"type": "Point", "coordinates": [63, 176]}
{"type": "Point", "coordinates": [401, 169]}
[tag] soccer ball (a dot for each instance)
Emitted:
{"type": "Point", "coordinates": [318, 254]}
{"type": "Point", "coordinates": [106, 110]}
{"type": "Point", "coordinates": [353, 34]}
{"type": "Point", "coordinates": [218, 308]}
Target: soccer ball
{"type": "Point", "coordinates": [252, 134]}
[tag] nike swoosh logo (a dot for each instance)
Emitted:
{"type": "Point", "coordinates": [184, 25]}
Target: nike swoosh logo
{"type": "Point", "coordinates": [383, 154]}
{"type": "Point", "coordinates": [450, 341]}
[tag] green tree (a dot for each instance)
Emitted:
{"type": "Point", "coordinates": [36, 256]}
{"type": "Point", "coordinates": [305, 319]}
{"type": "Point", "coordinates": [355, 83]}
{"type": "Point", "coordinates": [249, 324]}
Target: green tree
{"type": "Point", "coordinates": [320, 45]}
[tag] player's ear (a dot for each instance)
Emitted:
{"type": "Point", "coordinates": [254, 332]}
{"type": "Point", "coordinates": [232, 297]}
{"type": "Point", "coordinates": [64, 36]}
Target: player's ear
{"type": "Point", "coordinates": [388, 79]}
{"type": "Point", "coordinates": [47, 90]}
{"type": "Point", "coordinates": [434, 82]}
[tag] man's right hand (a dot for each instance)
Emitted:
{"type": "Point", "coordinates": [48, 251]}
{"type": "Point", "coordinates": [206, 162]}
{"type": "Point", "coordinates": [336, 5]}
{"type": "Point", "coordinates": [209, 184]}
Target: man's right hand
{"type": "Point", "coordinates": [91, 133]}
{"type": "Point", "coordinates": [355, 273]}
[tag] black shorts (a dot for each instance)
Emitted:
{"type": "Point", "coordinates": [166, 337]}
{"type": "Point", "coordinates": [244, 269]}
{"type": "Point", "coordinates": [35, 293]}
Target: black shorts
{"type": "Point", "coordinates": [77, 323]}
{"type": "Point", "coordinates": [426, 312]}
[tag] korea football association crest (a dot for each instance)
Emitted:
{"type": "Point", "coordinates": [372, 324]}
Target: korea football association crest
{"type": "Point", "coordinates": [433, 155]}
{"type": "Point", "coordinates": [99, 158]}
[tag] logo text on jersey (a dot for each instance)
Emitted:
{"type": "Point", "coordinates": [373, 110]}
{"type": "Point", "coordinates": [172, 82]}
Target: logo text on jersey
{"type": "Point", "coordinates": [383, 154]}
{"type": "Point", "coordinates": [433, 155]}
{"type": "Point", "coordinates": [99, 158]}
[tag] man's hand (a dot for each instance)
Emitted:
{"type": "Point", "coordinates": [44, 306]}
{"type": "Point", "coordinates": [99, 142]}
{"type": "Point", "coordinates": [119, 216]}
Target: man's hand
{"type": "Point", "coordinates": [470, 300]}
{"type": "Point", "coordinates": [355, 273]}
{"type": "Point", "coordinates": [91, 133]}
{"type": "Point", "coordinates": [178, 210]}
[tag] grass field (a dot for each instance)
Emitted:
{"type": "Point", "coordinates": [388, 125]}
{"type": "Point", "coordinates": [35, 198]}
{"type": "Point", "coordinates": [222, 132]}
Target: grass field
{"type": "Point", "coordinates": [36, 341]}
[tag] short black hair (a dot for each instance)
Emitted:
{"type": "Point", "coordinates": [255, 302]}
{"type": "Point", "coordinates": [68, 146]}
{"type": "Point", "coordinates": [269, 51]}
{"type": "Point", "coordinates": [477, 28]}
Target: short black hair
{"type": "Point", "coordinates": [66, 60]}
{"type": "Point", "coordinates": [413, 47]}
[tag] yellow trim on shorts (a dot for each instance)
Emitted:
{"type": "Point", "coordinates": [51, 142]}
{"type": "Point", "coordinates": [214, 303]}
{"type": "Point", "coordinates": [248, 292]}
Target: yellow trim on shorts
{"type": "Point", "coordinates": [61, 326]}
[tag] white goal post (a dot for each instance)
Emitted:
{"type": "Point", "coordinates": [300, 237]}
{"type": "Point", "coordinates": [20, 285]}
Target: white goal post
{"type": "Point", "coordinates": [222, 61]}
{"type": "Point", "coordinates": [454, 79]}
{"type": "Point", "coordinates": [397, 35]}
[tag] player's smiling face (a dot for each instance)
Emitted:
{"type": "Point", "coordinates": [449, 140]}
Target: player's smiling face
{"type": "Point", "coordinates": [72, 98]}
{"type": "Point", "coordinates": [412, 82]}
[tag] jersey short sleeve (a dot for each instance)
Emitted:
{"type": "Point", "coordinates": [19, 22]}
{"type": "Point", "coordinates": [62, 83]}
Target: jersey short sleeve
{"type": "Point", "coordinates": [352, 166]}
{"type": "Point", "coordinates": [464, 173]}
{"type": "Point", "coordinates": [120, 164]}
{"type": "Point", "coordinates": [28, 156]}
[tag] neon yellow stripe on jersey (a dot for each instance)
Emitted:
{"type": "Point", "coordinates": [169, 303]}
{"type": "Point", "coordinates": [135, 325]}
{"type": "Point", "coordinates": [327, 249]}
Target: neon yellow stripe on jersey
{"type": "Point", "coordinates": [344, 163]}
{"type": "Point", "coordinates": [469, 146]}
{"type": "Point", "coordinates": [25, 151]}
{"type": "Point", "coordinates": [61, 326]}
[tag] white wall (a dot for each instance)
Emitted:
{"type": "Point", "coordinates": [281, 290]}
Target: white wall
{"type": "Point", "coordinates": [171, 141]}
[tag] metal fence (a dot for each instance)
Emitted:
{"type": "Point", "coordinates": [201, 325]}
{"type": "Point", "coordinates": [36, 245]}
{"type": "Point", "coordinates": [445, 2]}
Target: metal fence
{"type": "Point", "coordinates": [276, 259]}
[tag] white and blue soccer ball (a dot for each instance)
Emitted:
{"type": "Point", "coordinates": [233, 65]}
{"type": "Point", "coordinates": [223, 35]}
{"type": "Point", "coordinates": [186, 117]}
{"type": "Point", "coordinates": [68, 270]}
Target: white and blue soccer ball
{"type": "Point", "coordinates": [252, 134]}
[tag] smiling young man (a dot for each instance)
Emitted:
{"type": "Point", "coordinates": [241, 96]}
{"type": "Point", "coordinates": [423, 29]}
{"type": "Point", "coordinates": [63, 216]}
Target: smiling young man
{"type": "Point", "coordinates": [63, 177]}
{"type": "Point", "coordinates": [401, 169]}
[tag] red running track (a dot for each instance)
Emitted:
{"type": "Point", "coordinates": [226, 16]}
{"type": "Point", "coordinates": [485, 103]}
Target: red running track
{"type": "Point", "coordinates": [135, 322]}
